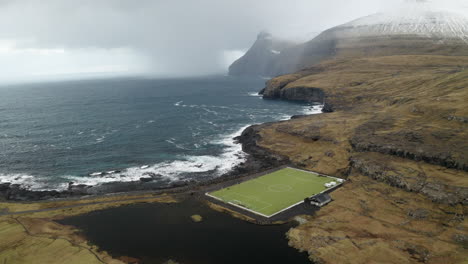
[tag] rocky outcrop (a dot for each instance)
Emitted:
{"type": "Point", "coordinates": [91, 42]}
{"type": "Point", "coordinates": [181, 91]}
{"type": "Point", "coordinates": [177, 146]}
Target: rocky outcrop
{"type": "Point", "coordinates": [307, 94]}
{"type": "Point", "coordinates": [415, 145]}
{"type": "Point", "coordinates": [264, 158]}
{"type": "Point", "coordinates": [401, 174]}
{"type": "Point", "coordinates": [277, 88]}
{"type": "Point", "coordinates": [259, 58]}
{"type": "Point", "coordinates": [15, 192]}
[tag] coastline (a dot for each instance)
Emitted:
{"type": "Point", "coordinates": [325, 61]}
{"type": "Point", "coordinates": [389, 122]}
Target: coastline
{"type": "Point", "coordinates": [38, 217]}
{"type": "Point", "coordinates": [397, 133]}
{"type": "Point", "coordinates": [241, 159]}
{"type": "Point", "coordinates": [402, 206]}
{"type": "Point", "coordinates": [256, 160]}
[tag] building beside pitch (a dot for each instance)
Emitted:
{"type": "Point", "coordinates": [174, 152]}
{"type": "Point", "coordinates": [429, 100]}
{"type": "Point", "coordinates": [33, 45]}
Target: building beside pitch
{"type": "Point", "coordinates": [274, 192]}
{"type": "Point", "coordinates": [319, 200]}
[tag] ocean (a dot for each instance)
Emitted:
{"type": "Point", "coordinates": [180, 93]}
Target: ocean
{"type": "Point", "coordinates": [119, 130]}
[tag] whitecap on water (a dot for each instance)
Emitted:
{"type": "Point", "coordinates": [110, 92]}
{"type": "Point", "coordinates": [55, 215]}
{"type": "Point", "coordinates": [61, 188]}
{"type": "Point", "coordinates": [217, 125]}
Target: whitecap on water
{"type": "Point", "coordinates": [307, 110]}
{"type": "Point", "coordinates": [31, 182]}
{"type": "Point", "coordinates": [209, 111]}
{"type": "Point", "coordinates": [312, 109]}
{"type": "Point", "coordinates": [172, 170]}
{"type": "Point", "coordinates": [255, 94]}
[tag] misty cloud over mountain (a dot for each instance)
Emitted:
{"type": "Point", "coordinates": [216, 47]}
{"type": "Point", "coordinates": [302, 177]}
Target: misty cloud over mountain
{"type": "Point", "coordinates": [177, 38]}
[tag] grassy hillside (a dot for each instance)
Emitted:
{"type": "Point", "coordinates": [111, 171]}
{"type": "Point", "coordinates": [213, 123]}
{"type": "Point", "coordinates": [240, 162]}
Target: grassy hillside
{"type": "Point", "coordinates": [399, 132]}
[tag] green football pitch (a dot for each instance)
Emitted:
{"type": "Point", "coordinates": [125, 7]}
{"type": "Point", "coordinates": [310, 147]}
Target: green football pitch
{"type": "Point", "coordinates": [272, 193]}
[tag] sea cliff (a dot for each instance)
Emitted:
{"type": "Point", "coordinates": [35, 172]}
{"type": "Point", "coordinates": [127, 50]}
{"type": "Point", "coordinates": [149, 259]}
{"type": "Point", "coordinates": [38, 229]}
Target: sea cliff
{"type": "Point", "coordinates": [397, 132]}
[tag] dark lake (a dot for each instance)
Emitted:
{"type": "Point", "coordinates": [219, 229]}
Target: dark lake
{"type": "Point", "coordinates": [155, 233]}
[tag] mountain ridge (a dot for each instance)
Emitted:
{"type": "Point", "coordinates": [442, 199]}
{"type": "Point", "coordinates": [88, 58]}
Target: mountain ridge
{"type": "Point", "coordinates": [410, 32]}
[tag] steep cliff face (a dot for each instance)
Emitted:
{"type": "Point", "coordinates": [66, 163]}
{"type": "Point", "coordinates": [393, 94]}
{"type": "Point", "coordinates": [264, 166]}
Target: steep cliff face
{"type": "Point", "coordinates": [259, 57]}
{"type": "Point", "coordinates": [414, 29]}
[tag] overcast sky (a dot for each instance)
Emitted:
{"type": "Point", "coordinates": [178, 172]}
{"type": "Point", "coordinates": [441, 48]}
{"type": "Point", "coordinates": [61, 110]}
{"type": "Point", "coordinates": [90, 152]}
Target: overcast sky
{"type": "Point", "coordinates": [50, 38]}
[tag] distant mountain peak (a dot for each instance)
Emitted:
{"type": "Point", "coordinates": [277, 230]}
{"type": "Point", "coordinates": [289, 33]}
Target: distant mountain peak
{"type": "Point", "coordinates": [264, 35]}
{"type": "Point", "coordinates": [416, 18]}
{"type": "Point", "coordinates": [415, 28]}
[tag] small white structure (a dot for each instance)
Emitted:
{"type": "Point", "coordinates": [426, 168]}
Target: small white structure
{"type": "Point", "coordinates": [330, 184]}
{"type": "Point", "coordinates": [320, 200]}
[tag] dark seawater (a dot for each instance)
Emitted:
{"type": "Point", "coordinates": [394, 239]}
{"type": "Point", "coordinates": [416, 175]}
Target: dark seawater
{"type": "Point", "coordinates": [156, 233]}
{"type": "Point", "coordinates": [54, 133]}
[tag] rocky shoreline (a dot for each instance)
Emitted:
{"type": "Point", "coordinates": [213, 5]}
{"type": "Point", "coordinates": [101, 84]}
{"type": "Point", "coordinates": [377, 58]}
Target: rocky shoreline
{"type": "Point", "coordinates": [401, 144]}
{"type": "Point", "coordinates": [258, 160]}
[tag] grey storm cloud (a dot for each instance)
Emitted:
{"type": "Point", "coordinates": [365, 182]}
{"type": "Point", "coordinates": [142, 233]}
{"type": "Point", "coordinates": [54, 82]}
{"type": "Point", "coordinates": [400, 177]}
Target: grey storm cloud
{"type": "Point", "coordinates": [175, 36]}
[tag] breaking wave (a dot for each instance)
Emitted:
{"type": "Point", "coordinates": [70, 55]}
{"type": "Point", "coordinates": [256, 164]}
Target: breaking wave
{"type": "Point", "coordinates": [184, 135]}
{"type": "Point", "coordinates": [254, 94]}
{"type": "Point", "coordinates": [169, 171]}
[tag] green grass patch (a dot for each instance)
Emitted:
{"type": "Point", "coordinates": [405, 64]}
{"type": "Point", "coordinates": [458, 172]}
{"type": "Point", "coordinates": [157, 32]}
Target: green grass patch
{"type": "Point", "coordinates": [274, 192]}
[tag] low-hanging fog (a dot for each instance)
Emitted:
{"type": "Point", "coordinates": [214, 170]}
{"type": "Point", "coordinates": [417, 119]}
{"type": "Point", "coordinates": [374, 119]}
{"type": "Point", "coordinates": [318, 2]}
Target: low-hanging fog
{"type": "Point", "coordinates": [41, 39]}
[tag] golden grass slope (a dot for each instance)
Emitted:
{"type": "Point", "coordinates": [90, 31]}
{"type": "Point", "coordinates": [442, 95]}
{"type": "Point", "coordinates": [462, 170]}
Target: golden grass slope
{"type": "Point", "coordinates": [399, 133]}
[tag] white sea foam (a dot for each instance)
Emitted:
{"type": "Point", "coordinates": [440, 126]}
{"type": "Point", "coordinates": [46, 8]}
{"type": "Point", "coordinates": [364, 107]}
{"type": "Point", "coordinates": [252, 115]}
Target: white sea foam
{"type": "Point", "coordinates": [31, 182]}
{"type": "Point", "coordinates": [307, 110]}
{"type": "Point", "coordinates": [209, 111]}
{"type": "Point", "coordinates": [255, 94]}
{"type": "Point", "coordinates": [284, 117]}
{"type": "Point", "coordinates": [173, 142]}
{"type": "Point", "coordinates": [231, 157]}
{"type": "Point", "coordinates": [21, 179]}
{"type": "Point", "coordinates": [170, 170]}
{"type": "Point", "coordinates": [312, 109]}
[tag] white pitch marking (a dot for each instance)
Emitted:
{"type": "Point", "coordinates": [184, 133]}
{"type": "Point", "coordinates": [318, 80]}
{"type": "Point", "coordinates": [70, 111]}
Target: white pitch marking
{"type": "Point", "coordinates": [278, 212]}
{"type": "Point", "coordinates": [266, 204]}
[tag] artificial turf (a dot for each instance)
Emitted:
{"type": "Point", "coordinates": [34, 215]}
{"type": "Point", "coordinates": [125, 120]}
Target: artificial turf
{"type": "Point", "coordinates": [274, 192]}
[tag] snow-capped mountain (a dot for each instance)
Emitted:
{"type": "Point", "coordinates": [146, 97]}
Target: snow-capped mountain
{"type": "Point", "coordinates": [412, 29]}
{"type": "Point", "coordinates": [412, 21]}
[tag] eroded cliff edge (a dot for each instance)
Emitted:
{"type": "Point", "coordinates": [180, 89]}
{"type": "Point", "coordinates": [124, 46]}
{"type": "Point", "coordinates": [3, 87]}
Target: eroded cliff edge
{"type": "Point", "coordinates": [398, 130]}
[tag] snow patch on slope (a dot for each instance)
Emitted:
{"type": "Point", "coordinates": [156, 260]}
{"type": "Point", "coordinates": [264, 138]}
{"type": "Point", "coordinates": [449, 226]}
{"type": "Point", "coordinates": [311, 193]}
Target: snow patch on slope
{"type": "Point", "coordinates": [414, 19]}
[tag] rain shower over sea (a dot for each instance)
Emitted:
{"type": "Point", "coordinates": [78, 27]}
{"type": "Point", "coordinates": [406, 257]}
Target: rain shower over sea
{"type": "Point", "coordinates": [120, 130]}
